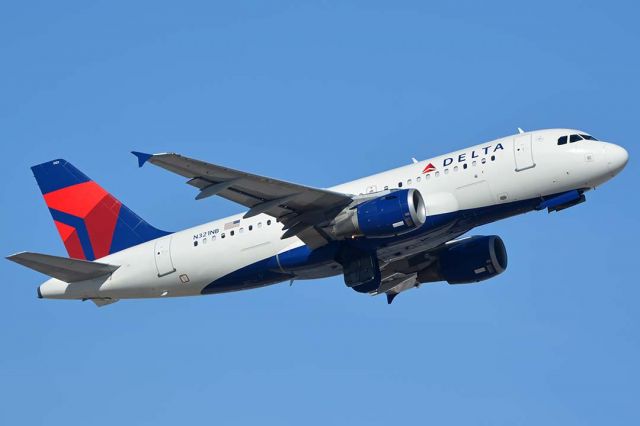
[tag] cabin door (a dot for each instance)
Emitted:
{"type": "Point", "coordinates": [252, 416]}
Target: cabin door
{"type": "Point", "coordinates": [162, 254]}
{"type": "Point", "coordinates": [522, 150]}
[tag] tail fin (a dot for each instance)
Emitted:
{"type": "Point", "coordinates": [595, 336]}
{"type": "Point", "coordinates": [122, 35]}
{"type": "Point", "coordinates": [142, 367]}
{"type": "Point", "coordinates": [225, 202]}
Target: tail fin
{"type": "Point", "coordinates": [92, 223]}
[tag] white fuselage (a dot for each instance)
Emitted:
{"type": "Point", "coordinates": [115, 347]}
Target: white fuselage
{"type": "Point", "coordinates": [504, 171]}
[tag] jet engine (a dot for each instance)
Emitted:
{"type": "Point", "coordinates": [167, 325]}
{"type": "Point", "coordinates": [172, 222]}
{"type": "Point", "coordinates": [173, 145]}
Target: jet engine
{"type": "Point", "coordinates": [395, 213]}
{"type": "Point", "coordinates": [468, 261]}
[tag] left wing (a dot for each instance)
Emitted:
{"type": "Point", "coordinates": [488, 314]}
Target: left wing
{"type": "Point", "coordinates": [302, 209]}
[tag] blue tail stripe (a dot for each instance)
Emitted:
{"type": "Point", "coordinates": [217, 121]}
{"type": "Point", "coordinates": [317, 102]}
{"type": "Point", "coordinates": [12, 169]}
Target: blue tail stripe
{"type": "Point", "coordinates": [80, 227]}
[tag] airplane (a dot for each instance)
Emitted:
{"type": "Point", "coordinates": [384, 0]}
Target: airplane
{"type": "Point", "coordinates": [385, 233]}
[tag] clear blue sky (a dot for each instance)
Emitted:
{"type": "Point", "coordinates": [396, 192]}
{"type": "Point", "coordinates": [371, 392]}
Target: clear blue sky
{"type": "Point", "coordinates": [321, 93]}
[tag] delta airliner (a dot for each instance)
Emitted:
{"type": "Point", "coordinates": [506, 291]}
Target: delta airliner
{"type": "Point", "coordinates": [385, 233]}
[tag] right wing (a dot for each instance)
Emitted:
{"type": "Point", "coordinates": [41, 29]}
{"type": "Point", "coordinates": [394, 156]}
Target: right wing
{"type": "Point", "coordinates": [63, 268]}
{"type": "Point", "coordinates": [302, 209]}
{"type": "Point", "coordinates": [401, 274]}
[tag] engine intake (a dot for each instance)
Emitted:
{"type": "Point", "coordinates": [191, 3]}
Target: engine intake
{"type": "Point", "coordinates": [391, 214]}
{"type": "Point", "coordinates": [468, 261]}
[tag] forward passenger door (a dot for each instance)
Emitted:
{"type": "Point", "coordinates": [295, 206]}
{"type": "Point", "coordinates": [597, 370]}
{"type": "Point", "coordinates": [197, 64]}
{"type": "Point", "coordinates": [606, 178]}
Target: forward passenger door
{"type": "Point", "coordinates": [523, 152]}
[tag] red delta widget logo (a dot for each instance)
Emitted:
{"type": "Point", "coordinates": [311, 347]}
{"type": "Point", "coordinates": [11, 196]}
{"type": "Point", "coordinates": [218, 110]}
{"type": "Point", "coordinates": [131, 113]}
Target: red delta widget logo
{"type": "Point", "coordinates": [430, 168]}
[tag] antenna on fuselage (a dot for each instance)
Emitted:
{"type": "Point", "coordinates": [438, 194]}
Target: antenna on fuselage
{"type": "Point", "coordinates": [414, 160]}
{"type": "Point", "coordinates": [520, 130]}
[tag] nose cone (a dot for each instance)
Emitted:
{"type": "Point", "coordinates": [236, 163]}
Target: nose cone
{"type": "Point", "coordinates": [617, 158]}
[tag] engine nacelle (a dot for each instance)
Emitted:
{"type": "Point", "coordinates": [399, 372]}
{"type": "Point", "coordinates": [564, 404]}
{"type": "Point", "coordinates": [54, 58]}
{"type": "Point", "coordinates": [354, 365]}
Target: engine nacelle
{"type": "Point", "coordinates": [392, 214]}
{"type": "Point", "coordinates": [468, 261]}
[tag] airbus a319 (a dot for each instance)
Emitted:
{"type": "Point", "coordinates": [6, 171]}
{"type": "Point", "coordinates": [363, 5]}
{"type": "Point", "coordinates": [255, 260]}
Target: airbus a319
{"type": "Point", "coordinates": [385, 233]}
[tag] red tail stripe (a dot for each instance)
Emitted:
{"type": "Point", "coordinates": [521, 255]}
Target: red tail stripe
{"type": "Point", "coordinates": [101, 225]}
{"type": "Point", "coordinates": [71, 240]}
{"type": "Point", "coordinates": [77, 200]}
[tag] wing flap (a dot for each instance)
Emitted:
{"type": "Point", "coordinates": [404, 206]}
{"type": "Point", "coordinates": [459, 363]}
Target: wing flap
{"type": "Point", "coordinates": [63, 268]}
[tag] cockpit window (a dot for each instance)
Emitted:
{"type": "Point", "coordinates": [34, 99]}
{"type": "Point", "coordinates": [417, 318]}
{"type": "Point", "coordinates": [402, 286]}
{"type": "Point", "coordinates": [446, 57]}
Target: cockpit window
{"type": "Point", "coordinates": [562, 140]}
{"type": "Point", "coordinates": [589, 137]}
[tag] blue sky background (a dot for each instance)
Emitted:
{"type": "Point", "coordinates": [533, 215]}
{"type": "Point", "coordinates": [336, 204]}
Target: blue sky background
{"type": "Point", "coordinates": [320, 93]}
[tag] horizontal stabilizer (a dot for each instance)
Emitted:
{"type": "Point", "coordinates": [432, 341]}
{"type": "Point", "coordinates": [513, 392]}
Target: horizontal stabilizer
{"type": "Point", "coordinates": [63, 268]}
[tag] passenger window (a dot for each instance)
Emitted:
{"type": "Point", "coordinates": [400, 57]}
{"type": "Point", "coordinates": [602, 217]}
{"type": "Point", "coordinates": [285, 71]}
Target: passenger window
{"type": "Point", "coordinates": [493, 158]}
{"type": "Point", "coordinates": [250, 227]}
{"type": "Point", "coordinates": [446, 171]}
{"type": "Point", "coordinates": [386, 187]}
{"type": "Point", "coordinates": [562, 140]}
{"type": "Point", "coordinates": [222, 236]}
{"type": "Point", "coordinates": [437, 174]}
{"type": "Point", "coordinates": [259, 225]}
{"type": "Point", "coordinates": [483, 161]}
{"type": "Point", "coordinates": [269, 222]}
{"type": "Point", "coordinates": [428, 177]}
{"type": "Point", "coordinates": [213, 238]}
{"type": "Point", "coordinates": [455, 168]}
{"type": "Point", "coordinates": [464, 166]}
{"type": "Point", "coordinates": [399, 184]}
{"type": "Point", "coordinates": [409, 182]}
{"type": "Point", "coordinates": [195, 244]}
{"type": "Point", "coordinates": [232, 233]}
{"type": "Point", "coordinates": [418, 179]}
{"type": "Point", "coordinates": [474, 163]}
{"type": "Point", "coordinates": [574, 138]}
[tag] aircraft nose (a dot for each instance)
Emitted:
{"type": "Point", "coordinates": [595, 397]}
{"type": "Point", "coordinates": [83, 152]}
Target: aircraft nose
{"type": "Point", "coordinates": [617, 157]}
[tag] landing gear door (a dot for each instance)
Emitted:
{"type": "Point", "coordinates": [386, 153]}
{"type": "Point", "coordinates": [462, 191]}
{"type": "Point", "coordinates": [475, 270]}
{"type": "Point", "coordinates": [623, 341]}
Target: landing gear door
{"type": "Point", "coordinates": [162, 254]}
{"type": "Point", "coordinates": [522, 150]}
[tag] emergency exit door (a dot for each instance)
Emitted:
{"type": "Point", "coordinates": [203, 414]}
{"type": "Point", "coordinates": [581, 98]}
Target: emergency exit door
{"type": "Point", "coordinates": [522, 150]}
{"type": "Point", "coordinates": [162, 254]}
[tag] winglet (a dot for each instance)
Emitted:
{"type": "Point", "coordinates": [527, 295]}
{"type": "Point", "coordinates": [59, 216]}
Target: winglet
{"type": "Point", "coordinates": [142, 157]}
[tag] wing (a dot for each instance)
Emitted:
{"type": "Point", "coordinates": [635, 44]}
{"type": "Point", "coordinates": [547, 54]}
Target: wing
{"type": "Point", "coordinates": [302, 209]}
{"type": "Point", "coordinates": [396, 284]}
{"type": "Point", "coordinates": [400, 274]}
{"type": "Point", "coordinates": [63, 268]}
